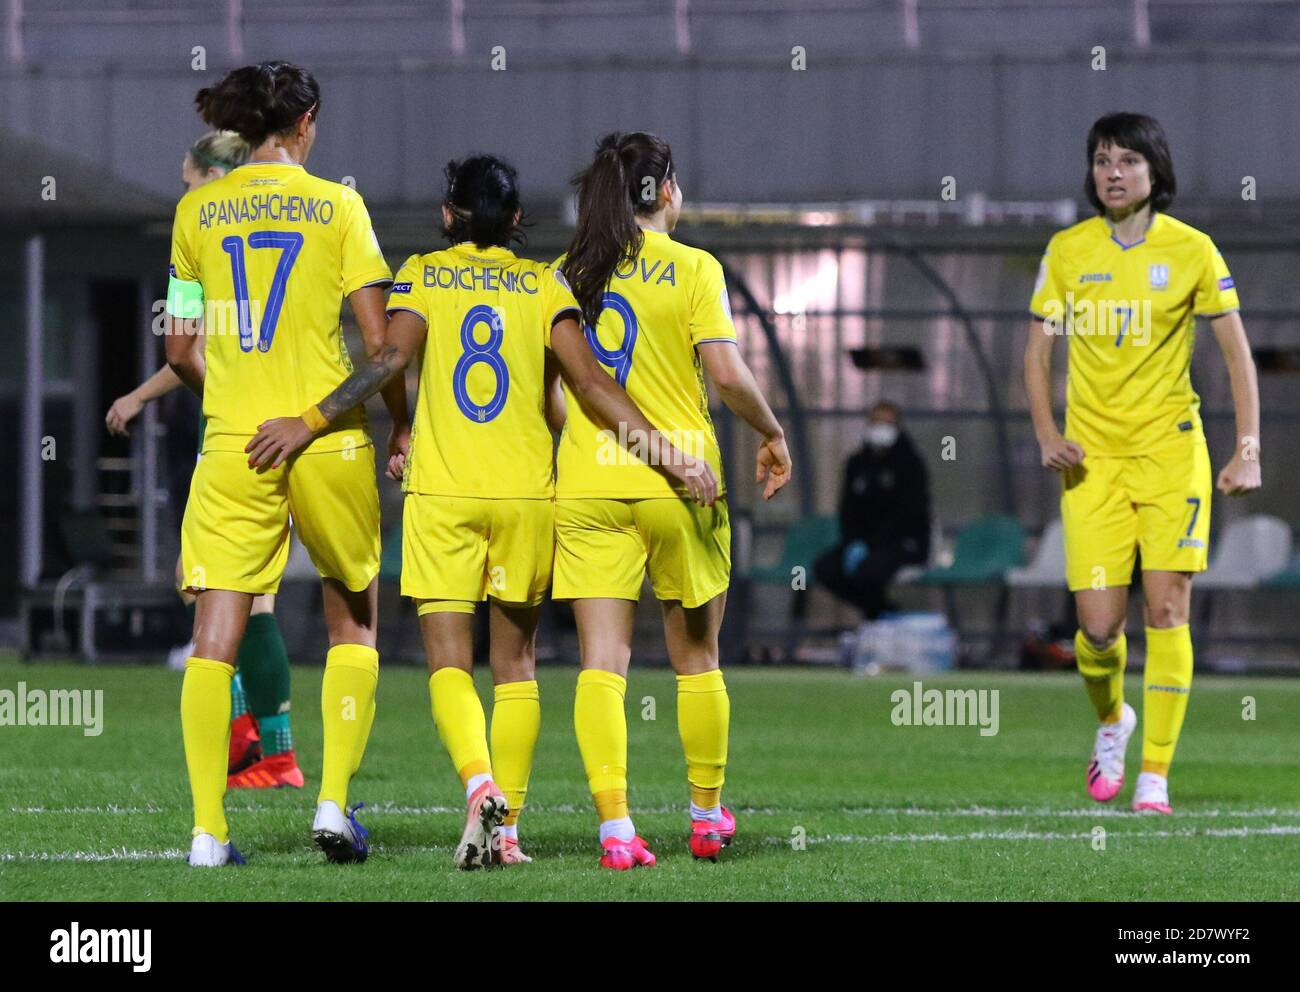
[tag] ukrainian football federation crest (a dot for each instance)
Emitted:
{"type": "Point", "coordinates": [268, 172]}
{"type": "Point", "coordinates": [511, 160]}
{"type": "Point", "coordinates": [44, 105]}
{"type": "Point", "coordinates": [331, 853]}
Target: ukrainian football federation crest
{"type": "Point", "coordinates": [1159, 277]}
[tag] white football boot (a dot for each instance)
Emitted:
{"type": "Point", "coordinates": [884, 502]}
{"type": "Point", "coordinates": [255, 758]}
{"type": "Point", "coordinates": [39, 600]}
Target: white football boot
{"type": "Point", "coordinates": [342, 838]}
{"type": "Point", "coordinates": [1106, 769]}
{"type": "Point", "coordinates": [208, 852]}
{"type": "Point", "coordinates": [1152, 795]}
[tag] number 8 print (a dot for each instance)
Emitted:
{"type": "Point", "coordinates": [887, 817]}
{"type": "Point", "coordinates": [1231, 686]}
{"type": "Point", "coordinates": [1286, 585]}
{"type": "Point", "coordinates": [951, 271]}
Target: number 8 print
{"type": "Point", "coordinates": [473, 353]}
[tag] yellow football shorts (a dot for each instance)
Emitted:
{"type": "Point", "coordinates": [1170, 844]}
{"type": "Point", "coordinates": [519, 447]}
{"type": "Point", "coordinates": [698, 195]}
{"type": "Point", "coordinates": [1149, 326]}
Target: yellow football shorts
{"type": "Point", "coordinates": [467, 548]}
{"type": "Point", "coordinates": [1111, 506]}
{"type": "Point", "coordinates": [603, 548]}
{"type": "Point", "coordinates": [236, 529]}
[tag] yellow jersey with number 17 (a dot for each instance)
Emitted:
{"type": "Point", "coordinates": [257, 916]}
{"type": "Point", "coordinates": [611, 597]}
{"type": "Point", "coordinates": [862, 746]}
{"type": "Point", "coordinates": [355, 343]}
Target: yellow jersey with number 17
{"type": "Point", "coordinates": [276, 250]}
{"type": "Point", "coordinates": [658, 308]}
{"type": "Point", "coordinates": [480, 418]}
{"type": "Point", "coordinates": [1129, 312]}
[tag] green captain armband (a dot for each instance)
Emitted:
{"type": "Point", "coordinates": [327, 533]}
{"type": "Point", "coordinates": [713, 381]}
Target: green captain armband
{"type": "Point", "coordinates": [184, 299]}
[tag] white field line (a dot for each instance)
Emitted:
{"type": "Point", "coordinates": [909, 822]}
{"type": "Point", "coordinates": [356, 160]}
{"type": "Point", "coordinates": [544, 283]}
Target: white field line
{"type": "Point", "coordinates": [117, 854]}
{"type": "Point", "coordinates": [1274, 830]}
{"type": "Point", "coordinates": [397, 809]}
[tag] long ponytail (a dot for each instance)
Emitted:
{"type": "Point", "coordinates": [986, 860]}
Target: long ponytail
{"type": "Point", "coordinates": [622, 181]}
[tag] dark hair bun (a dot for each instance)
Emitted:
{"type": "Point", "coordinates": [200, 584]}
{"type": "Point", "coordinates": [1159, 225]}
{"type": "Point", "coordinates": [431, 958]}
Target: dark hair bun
{"type": "Point", "coordinates": [257, 101]}
{"type": "Point", "coordinates": [483, 194]}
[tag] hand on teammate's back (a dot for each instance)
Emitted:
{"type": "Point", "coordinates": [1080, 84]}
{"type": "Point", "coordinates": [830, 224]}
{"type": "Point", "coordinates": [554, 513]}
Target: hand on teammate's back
{"type": "Point", "coordinates": [399, 446]}
{"type": "Point", "coordinates": [275, 441]}
{"type": "Point", "coordinates": [696, 475]}
{"type": "Point", "coordinates": [1061, 454]}
{"type": "Point", "coordinates": [773, 465]}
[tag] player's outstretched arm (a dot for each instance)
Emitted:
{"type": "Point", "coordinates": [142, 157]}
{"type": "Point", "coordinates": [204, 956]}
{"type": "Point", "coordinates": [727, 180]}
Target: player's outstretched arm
{"type": "Point", "coordinates": [1057, 452]}
{"type": "Point", "coordinates": [126, 408]}
{"type": "Point", "coordinates": [1242, 473]}
{"type": "Point", "coordinates": [281, 437]}
{"type": "Point", "coordinates": [613, 409]}
{"type": "Point", "coordinates": [738, 390]}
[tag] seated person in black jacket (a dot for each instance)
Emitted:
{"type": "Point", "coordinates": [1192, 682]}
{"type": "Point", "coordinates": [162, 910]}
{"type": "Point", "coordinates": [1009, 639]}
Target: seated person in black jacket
{"type": "Point", "coordinates": [884, 516]}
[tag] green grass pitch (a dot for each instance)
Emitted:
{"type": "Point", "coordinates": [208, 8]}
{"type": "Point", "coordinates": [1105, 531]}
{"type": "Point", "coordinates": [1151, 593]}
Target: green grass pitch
{"type": "Point", "coordinates": [883, 811]}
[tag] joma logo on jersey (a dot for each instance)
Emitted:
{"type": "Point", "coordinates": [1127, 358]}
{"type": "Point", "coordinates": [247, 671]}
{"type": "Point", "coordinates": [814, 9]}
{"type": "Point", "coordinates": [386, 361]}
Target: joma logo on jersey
{"type": "Point", "coordinates": [1095, 277]}
{"type": "Point", "coordinates": [1190, 542]}
{"type": "Point", "coordinates": [1127, 321]}
{"type": "Point", "coordinates": [1159, 276]}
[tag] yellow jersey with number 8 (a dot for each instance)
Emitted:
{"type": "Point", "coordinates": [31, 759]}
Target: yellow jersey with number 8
{"type": "Point", "coordinates": [480, 419]}
{"type": "Point", "coordinates": [658, 308]}
{"type": "Point", "coordinates": [276, 250]}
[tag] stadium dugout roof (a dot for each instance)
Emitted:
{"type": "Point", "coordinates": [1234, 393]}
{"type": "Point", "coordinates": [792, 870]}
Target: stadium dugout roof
{"type": "Point", "coordinates": [85, 194]}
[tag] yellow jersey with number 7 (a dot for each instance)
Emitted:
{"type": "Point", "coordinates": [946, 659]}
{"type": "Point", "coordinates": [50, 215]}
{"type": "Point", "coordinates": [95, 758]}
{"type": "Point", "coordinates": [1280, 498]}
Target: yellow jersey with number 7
{"type": "Point", "coordinates": [276, 250]}
{"type": "Point", "coordinates": [1129, 312]}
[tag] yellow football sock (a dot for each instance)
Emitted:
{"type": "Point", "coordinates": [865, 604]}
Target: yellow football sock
{"type": "Point", "coordinates": [367, 722]}
{"type": "Point", "coordinates": [1103, 674]}
{"type": "Point", "coordinates": [516, 721]}
{"type": "Point", "coordinates": [703, 718]}
{"type": "Point", "coordinates": [601, 727]}
{"type": "Point", "coordinates": [1166, 687]}
{"type": "Point", "coordinates": [205, 728]}
{"type": "Point", "coordinates": [458, 715]}
{"type": "Point", "coordinates": [347, 706]}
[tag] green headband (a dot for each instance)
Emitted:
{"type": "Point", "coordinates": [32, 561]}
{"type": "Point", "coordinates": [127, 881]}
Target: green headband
{"type": "Point", "coordinates": [211, 161]}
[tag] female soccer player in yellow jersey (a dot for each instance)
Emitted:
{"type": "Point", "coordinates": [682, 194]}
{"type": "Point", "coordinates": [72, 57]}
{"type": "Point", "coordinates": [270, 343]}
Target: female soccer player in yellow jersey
{"type": "Point", "coordinates": [478, 520]}
{"type": "Point", "coordinates": [263, 257]}
{"type": "Point", "coordinates": [1127, 287]}
{"type": "Point", "coordinates": [655, 311]}
{"type": "Point", "coordinates": [261, 738]}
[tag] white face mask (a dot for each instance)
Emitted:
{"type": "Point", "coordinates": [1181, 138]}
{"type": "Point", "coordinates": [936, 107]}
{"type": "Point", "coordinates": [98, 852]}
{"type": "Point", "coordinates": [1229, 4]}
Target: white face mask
{"type": "Point", "coordinates": [882, 435]}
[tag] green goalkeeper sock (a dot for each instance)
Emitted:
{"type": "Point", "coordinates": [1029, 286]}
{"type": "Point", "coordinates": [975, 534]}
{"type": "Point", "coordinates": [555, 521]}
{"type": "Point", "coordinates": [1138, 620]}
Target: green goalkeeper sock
{"type": "Point", "coordinates": [264, 664]}
{"type": "Point", "coordinates": [238, 698]}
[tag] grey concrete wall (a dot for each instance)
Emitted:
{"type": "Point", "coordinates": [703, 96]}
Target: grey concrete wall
{"type": "Point", "coordinates": [742, 128]}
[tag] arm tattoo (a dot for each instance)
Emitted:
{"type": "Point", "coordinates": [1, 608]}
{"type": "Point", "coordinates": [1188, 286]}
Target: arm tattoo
{"type": "Point", "coordinates": [362, 383]}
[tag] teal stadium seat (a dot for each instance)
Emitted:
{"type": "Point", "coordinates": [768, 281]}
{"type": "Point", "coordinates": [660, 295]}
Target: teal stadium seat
{"type": "Point", "coordinates": [1287, 579]}
{"type": "Point", "coordinates": [804, 541]}
{"type": "Point", "coordinates": [987, 548]}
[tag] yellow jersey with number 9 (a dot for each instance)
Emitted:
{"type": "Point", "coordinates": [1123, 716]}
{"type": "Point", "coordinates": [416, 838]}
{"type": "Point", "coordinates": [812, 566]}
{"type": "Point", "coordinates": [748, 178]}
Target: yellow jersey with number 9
{"type": "Point", "coordinates": [276, 250]}
{"type": "Point", "coordinates": [658, 308]}
{"type": "Point", "coordinates": [480, 418]}
{"type": "Point", "coordinates": [1129, 312]}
